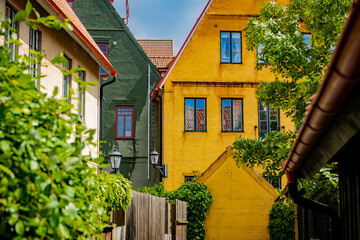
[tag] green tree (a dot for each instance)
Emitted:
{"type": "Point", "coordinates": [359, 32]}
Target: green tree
{"type": "Point", "coordinates": [298, 65]}
{"type": "Point", "coordinates": [47, 191]}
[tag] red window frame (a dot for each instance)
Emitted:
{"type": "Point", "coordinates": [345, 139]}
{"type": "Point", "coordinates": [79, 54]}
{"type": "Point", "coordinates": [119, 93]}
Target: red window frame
{"type": "Point", "coordinates": [104, 47]}
{"type": "Point", "coordinates": [124, 113]}
{"type": "Point", "coordinates": [72, 3]}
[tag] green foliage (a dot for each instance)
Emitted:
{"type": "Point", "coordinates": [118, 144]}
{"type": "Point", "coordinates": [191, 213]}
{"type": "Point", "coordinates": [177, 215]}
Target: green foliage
{"type": "Point", "coordinates": [47, 191]}
{"type": "Point", "coordinates": [267, 153]}
{"type": "Point", "coordinates": [114, 190]}
{"type": "Point", "coordinates": [282, 220]}
{"type": "Point", "coordinates": [298, 66]}
{"type": "Point", "coordinates": [198, 200]}
{"type": "Point", "coordinates": [322, 185]}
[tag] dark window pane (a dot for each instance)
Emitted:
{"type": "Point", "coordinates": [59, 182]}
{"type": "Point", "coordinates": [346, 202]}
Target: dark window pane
{"type": "Point", "coordinates": [189, 114]}
{"type": "Point", "coordinates": [226, 115]}
{"type": "Point", "coordinates": [263, 126]}
{"type": "Point", "coordinates": [274, 126]}
{"type": "Point", "coordinates": [200, 114]}
{"type": "Point", "coordinates": [237, 115]}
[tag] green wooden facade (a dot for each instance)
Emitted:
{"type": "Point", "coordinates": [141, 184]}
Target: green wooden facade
{"type": "Point", "coordinates": [130, 89]}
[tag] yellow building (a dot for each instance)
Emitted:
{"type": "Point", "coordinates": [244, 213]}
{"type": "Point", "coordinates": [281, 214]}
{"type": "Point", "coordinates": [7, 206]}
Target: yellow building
{"type": "Point", "coordinates": [209, 92]}
{"type": "Point", "coordinates": [242, 201]}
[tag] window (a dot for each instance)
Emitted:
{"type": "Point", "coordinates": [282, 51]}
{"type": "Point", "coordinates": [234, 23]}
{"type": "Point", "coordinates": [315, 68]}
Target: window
{"type": "Point", "coordinates": [269, 119]}
{"type": "Point", "coordinates": [67, 81]}
{"type": "Point", "coordinates": [230, 44]}
{"type": "Point", "coordinates": [34, 44]}
{"type": "Point", "coordinates": [81, 91]}
{"type": "Point", "coordinates": [231, 115]}
{"type": "Point", "coordinates": [124, 122]}
{"type": "Point", "coordinates": [275, 182]}
{"type": "Point", "coordinates": [10, 13]}
{"type": "Point", "coordinates": [104, 48]}
{"type": "Point", "coordinates": [195, 114]}
{"type": "Point", "coordinates": [189, 178]}
{"type": "Point", "coordinates": [71, 3]}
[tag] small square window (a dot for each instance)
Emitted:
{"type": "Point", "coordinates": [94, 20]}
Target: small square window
{"type": "Point", "coordinates": [195, 114]}
{"type": "Point", "coordinates": [230, 47]}
{"type": "Point", "coordinates": [189, 178]}
{"type": "Point", "coordinates": [124, 122]}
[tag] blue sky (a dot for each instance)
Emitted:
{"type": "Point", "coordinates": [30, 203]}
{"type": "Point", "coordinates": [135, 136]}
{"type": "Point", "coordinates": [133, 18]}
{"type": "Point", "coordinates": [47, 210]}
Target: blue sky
{"type": "Point", "coordinates": [162, 19]}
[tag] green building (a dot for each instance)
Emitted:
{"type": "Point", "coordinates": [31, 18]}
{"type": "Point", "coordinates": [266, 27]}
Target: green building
{"type": "Point", "coordinates": [125, 102]}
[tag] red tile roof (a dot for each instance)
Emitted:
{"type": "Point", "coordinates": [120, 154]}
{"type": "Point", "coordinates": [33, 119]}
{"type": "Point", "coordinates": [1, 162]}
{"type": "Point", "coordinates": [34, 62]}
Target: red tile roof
{"type": "Point", "coordinates": [160, 52]}
{"type": "Point", "coordinates": [157, 48]}
{"type": "Point", "coordinates": [62, 8]}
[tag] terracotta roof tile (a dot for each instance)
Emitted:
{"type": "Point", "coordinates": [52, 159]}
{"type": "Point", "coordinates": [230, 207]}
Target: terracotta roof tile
{"type": "Point", "coordinates": [64, 10]}
{"type": "Point", "coordinates": [162, 62]}
{"type": "Point", "coordinates": [157, 48]}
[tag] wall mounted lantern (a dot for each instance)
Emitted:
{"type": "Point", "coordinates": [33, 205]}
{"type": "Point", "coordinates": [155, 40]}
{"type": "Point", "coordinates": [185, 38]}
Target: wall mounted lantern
{"type": "Point", "coordinates": [115, 159]}
{"type": "Point", "coordinates": [154, 157]}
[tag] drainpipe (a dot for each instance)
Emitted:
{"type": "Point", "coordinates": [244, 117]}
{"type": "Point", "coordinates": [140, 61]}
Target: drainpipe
{"type": "Point", "coordinates": [321, 208]}
{"type": "Point", "coordinates": [161, 144]}
{"type": "Point", "coordinates": [148, 100]}
{"type": "Point", "coordinates": [101, 107]}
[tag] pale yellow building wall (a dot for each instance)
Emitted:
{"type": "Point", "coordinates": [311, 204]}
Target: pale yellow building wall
{"type": "Point", "coordinates": [54, 42]}
{"type": "Point", "coordinates": [197, 74]}
{"type": "Point", "coordinates": [241, 204]}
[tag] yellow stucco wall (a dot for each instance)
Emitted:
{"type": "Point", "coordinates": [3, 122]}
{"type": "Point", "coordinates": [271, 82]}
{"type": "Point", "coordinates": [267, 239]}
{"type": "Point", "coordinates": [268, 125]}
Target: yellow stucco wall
{"type": "Point", "coordinates": [55, 42]}
{"type": "Point", "coordinates": [198, 73]}
{"type": "Point", "coordinates": [242, 200]}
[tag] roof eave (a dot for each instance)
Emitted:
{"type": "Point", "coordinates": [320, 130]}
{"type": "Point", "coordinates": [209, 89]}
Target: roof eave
{"type": "Point", "coordinates": [78, 36]}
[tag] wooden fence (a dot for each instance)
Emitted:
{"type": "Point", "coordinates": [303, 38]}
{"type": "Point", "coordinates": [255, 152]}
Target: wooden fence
{"type": "Point", "coordinates": [149, 218]}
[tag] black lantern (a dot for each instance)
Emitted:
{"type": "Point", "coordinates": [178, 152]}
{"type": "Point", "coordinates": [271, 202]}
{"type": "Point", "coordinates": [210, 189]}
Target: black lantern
{"type": "Point", "coordinates": [115, 159]}
{"type": "Point", "coordinates": [154, 157]}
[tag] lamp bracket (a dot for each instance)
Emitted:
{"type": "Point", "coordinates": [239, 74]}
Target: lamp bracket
{"type": "Point", "coordinates": [163, 170]}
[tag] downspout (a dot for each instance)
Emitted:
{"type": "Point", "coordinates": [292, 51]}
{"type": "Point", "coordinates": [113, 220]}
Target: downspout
{"type": "Point", "coordinates": [161, 139]}
{"type": "Point", "coordinates": [101, 107]}
{"type": "Point", "coordinates": [318, 207]}
{"type": "Point", "coordinates": [148, 100]}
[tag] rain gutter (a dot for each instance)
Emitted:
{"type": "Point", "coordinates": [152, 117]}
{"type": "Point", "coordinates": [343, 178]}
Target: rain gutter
{"type": "Point", "coordinates": [161, 138]}
{"type": "Point", "coordinates": [101, 105]}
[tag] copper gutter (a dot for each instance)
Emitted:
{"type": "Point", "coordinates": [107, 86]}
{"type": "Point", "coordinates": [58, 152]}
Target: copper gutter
{"type": "Point", "coordinates": [341, 77]}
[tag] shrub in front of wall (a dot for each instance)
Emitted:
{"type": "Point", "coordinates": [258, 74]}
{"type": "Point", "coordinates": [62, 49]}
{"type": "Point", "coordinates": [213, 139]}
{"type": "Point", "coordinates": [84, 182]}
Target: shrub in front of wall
{"type": "Point", "coordinates": [282, 220]}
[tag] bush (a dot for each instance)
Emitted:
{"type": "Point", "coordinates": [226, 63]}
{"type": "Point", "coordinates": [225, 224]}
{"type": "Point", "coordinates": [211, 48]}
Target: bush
{"type": "Point", "coordinates": [282, 220]}
{"type": "Point", "coordinates": [47, 191]}
{"type": "Point", "coordinates": [198, 200]}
